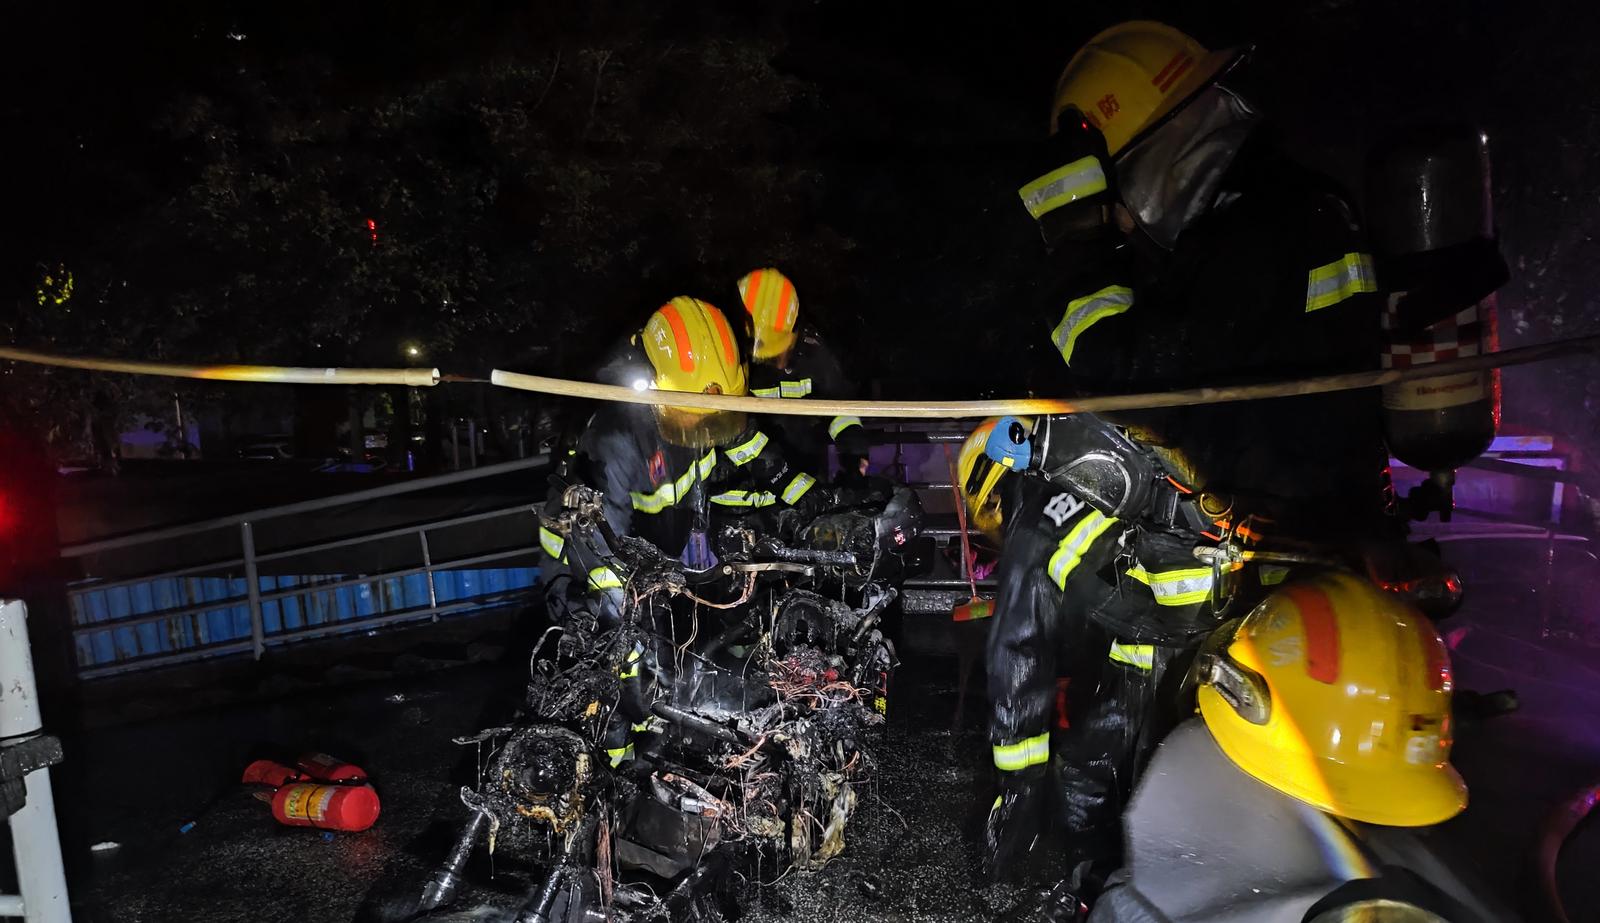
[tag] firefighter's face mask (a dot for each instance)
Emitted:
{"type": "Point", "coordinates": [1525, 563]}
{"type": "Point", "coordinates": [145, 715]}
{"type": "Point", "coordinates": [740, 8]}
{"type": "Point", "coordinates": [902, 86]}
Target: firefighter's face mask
{"type": "Point", "coordinates": [699, 429]}
{"type": "Point", "coordinates": [1071, 193]}
{"type": "Point", "coordinates": [1172, 176]}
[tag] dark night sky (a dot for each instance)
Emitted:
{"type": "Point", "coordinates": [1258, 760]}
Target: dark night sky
{"type": "Point", "coordinates": [871, 149]}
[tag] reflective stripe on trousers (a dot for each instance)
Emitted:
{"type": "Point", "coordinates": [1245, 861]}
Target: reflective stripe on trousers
{"type": "Point", "coordinates": [604, 578]}
{"type": "Point", "coordinates": [1346, 276]}
{"type": "Point", "coordinates": [1070, 551]}
{"type": "Point", "coordinates": [1083, 313]}
{"type": "Point", "coordinates": [669, 494]}
{"type": "Point", "coordinates": [1077, 180]}
{"type": "Point", "coordinates": [1183, 587]}
{"type": "Point", "coordinates": [1142, 656]}
{"type": "Point", "coordinates": [620, 755]}
{"type": "Point", "coordinates": [1032, 751]}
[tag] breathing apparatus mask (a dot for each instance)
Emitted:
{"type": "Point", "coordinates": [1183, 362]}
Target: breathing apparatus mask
{"type": "Point", "coordinates": [1166, 178]}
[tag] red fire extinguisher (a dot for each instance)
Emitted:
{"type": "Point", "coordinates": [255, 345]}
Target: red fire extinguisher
{"type": "Point", "coordinates": [325, 768]}
{"type": "Point", "coordinates": [1432, 222]}
{"type": "Point", "coordinates": [351, 808]}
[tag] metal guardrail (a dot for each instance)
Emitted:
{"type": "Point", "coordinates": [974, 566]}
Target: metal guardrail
{"type": "Point", "coordinates": [255, 599]}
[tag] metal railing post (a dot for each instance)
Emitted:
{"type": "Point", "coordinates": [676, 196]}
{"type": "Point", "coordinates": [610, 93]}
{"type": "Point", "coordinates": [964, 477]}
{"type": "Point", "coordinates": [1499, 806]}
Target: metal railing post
{"type": "Point", "coordinates": [35, 841]}
{"type": "Point", "coordinates": [427, 570]}
{"type": "Point", "coordinates": [258, 634]}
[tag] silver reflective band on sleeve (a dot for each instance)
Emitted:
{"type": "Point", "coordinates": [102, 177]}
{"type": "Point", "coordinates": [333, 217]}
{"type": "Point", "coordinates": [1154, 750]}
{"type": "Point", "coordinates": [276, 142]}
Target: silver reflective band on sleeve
{"type": "Point", "coordinates": [669, 494]}
{"type": "Point", "coordinates": [754, 499]}
{"type": "Point", "coordinates": [604, 578]}
{"type": "Point", "coordinates": [1142, 656]}
{"type": "Point", "coordinates": [1083, 313]}
{"type": "Point", "coordinates": [797, 488]}
{"type": "Point", "coordinates": [795, 389]}
{"type": "Point", "coordinates": [1183, 587]}
{"type": "Point", "coordinates": [841, 423]}
{"type": "Point", "coordinates": [1070, 550]}
{"type": "Point", "coordinates": [1077, 180]}
{"type": "Point", "coordinates": [1346, 276]}
{"type": "Point", "coordinates": [747, 452]}
{"type": "Point", "coordinates": [1032, 751]}
{"type": "Point", "coordinates": [552, 543]}
{"type": "Point", "coordinates": [766, 392]}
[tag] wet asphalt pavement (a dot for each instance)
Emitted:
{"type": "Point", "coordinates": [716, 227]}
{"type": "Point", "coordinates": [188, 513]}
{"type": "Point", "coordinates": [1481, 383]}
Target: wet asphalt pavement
{"type": "Point", "coordinates": [911, 850]}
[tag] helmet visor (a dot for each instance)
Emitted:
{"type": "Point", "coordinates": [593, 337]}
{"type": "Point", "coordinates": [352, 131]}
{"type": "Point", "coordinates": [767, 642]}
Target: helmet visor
{"type": "Point", "coordinates": [1172, 175]}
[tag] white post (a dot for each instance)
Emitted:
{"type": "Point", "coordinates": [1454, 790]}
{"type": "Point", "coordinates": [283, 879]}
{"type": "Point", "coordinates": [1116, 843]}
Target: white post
{"type": "Point", "coordinates": [34, 838]}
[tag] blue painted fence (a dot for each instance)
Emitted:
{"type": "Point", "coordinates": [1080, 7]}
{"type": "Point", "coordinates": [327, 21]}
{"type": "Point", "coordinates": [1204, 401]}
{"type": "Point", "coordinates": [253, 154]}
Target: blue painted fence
{"type": "Point", "coordinates": [342, 609]}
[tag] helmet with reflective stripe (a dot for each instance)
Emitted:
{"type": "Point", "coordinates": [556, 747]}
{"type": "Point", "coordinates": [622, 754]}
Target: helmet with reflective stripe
{"type": "Point", "coordinates": [1337, 694]}
{"type": "Point", "coordinates": [1129, 77]}
{"type": "Point", "coordinates": [979, 477]}
{"type": "Point", "coordinates": [691, 348]}
{"type": "Point", "coordinates": [774, 308]}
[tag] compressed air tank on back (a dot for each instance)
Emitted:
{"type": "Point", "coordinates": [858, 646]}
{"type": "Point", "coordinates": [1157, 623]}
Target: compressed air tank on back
{"type": "Point", "coordinates": [1431, 215]}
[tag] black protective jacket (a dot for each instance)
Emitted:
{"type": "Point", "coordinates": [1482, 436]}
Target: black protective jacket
{"type": "Point", "coordinates": [1274, 282]}
{"type": "Point", "coordinates": [661, 492]}
{"type": "Point", "coordinates": [812, 369]}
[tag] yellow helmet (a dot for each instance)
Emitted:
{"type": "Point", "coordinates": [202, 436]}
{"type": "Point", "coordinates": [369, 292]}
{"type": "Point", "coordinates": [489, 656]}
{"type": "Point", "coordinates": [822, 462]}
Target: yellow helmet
{"type": "Point", "coordinates": [774, 308]}
{"type": "Point", "coordinates": [1337, 694]}
{"type": "Point", "coordinates": [979, 476]}
{"type": "Point", "coordinates": [1131, 75]}
{"type": "Point", "coordinates": [691, 348]}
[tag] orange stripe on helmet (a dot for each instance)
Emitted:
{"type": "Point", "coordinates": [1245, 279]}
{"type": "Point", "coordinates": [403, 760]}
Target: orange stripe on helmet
{"type": "Point", "coordinates": [750, 292]}
{"type": "Point", "coordinates": [1322, 632]}
{"type": "Point", "coordinates": [680, 336]}
{"type": "Point", "coordinates": [721, 324]}
{"type": "Point", "coordinates": [786, 303]}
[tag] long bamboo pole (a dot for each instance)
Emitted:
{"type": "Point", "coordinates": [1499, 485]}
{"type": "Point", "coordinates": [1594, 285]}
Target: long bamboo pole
{"type": "Point", "coordinates": [954, 410]}
{"type": "Point", "coordinates": [415, 378]}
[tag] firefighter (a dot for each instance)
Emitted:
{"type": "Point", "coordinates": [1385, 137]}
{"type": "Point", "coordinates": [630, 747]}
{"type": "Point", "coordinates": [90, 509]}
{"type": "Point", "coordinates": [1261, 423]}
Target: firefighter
{"type": "Point", "coordinates": [661, 472]}
{"type": "Point", "coordinates": [790, 360]}
{"type": "Point", "coordinates": [663, 469]}
{"type": "Point", "coordinates": [1099, 593]}
{"type": "Point", "coordinates": [1324, 731]}
{"type": "Point", "coordinates": [1185, 250]}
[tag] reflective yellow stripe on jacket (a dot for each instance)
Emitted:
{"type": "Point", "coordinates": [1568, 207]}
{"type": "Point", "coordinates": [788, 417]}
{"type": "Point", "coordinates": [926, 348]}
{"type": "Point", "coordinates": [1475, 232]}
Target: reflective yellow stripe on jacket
{"type": "Point", "coordinates": [752, 499]}
{"type": "Point", "coordinates": [1077, 180]}
{"type": "Point", "coordinates": [553, 544]}
{"type": "Point", "coordinates": [669, 494]}
{"type": "Point", "coordinates": [1142, 656]}
{"type": "Point", "coordinates": [748, 451]}
{"type": "Point", "coordinates": [1348, 275]}
{"type": "Point", "coordinates": [841, 423]}
{"type": "Point", "coordinates": [1083, 313]}
{"type": "Point", "coordinates": [1070, 550]}
{"type": "Point", "coordinates": [1183, 587]}
{"type": "Point", "coordinates": [1032, 751]}
{"type": "Point", "coordinates": [797, 488]}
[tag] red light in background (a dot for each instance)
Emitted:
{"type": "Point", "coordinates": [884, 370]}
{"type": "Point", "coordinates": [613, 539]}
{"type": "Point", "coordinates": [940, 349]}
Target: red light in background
{"type": "Point", "coordinates": [372, 228]}
{"type": "Point", "coordinates": [8, 519]}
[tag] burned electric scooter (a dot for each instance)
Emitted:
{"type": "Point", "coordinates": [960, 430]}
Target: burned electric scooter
{"type": "Point", "coordinates": [682, 725]}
